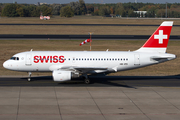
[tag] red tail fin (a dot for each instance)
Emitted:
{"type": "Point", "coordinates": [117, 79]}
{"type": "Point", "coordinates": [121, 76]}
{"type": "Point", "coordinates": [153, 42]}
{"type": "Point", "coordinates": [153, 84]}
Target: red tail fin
{"type": "Point", "coordinates": [159, 39]}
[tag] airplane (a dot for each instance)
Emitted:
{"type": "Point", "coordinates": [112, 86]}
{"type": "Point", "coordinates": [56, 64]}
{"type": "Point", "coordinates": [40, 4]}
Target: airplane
{"type": "Point", "coordinates": [66, 65]}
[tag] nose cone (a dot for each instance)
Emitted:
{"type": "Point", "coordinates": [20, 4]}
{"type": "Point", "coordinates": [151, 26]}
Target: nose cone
{"type": "Point", "coordinates": [5, 65]}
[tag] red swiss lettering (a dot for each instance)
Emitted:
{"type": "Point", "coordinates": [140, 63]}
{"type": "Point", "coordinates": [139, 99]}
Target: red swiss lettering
{"type": "Point", "coordinates": [55, 59]}
{"type": "Point", "coordinates": [61, 59]}
{"type": "Point", "coordinates": [36, 59]}
{"type": "Point", "coordinates": [51, 59]}
{"type": "Point", "coordinates": [44, 58]}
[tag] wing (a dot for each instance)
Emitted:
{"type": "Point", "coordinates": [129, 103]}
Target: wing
{"type": "Point", "coordinates": [85, 70]}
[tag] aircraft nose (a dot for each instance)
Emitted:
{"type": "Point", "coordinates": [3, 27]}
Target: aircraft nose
{"type": "Point", "coordinates": [5, 65]}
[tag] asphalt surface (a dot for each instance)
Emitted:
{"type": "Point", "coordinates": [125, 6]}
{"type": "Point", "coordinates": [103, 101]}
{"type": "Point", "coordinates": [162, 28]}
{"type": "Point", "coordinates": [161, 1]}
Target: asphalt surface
{"type": "Point", "coordinates": [84, 24]}
{"type": "Point", "coordinates": [87, 24]}
{"type": "Point", "coordinates": [98, 81]}
{"type": "Point", "coordinates": [108, 98]}
{"type": "Point", "coordinates": [77, 37]}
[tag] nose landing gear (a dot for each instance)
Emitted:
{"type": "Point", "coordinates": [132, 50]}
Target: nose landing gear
{"type": "Point", "coordinates": [29, 77]}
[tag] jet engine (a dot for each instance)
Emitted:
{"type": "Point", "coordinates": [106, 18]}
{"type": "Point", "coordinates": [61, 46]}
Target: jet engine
{"type": "Point", "coordinates": [59, 75]}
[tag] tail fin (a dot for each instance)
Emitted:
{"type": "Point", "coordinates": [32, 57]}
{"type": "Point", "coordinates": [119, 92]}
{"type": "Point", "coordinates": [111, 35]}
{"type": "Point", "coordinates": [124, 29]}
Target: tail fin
{"type": "Point", "coordinates": [159, 39]}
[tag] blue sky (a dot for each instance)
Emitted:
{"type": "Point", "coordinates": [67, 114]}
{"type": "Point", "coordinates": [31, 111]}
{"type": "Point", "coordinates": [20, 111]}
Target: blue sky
{"type": "Point", "coordinates": [88, 1]}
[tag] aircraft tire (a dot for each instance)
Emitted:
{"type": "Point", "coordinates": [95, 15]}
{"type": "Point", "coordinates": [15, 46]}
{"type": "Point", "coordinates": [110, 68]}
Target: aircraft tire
{"type": "Point", "coordinates": [87, 81]}
{"type": "Point", "coordinates": [29, 79]}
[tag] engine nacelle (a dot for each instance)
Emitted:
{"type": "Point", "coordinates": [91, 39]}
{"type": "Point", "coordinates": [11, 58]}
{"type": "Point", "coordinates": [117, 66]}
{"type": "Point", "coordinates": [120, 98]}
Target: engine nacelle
{"type": "Point", "coordinates": [59, 75]}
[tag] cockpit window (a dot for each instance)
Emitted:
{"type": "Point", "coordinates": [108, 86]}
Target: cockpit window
{"type": "Point", "coordinates": [14, 58]}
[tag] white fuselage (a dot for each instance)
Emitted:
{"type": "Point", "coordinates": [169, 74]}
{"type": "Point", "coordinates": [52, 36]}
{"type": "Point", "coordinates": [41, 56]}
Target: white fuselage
{"type": "Point", "coordinates": [112, 60]}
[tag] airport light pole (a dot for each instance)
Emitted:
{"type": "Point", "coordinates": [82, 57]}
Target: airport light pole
{"type": "Point", "coordinates": [90, 39]}
{"type": "Point", "coordinates": [166, 9]}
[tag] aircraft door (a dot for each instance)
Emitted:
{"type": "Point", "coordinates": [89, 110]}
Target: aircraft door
{"type": "Point", "coordinates": [136, 59]}
{"type": "Point", "coordinates": [28, 59]}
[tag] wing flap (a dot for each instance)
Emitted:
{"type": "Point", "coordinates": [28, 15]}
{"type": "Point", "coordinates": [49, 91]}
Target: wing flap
{"type": "Point", "coordinates": [84, 69]}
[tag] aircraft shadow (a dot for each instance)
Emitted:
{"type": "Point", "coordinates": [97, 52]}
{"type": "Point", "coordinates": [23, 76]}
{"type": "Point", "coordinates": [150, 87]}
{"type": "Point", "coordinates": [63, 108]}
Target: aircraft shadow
{"type": "Point", "coordinates": [109, 81]}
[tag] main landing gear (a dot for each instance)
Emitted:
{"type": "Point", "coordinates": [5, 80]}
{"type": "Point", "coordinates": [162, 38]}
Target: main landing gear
{"type": "Point", "coordinates": [29, 78]}
{"type": "Point", "coordinates": [87, 80]}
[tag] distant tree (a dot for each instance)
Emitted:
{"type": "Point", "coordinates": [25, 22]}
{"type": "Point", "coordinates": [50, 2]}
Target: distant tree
{"type": "Point", "coordinates": [56, 9]}
{"type": "Point", "coordinates": [90, 9]}
{"type": "Point", "coordinates": [32, 11]}
{"type": "Point", "coordinates": [0, 9]}
{"type": "Point", "coordinates": [119, 10]}
{"type": "Point", "coordinates": [20, 11]}
{"type": "Point", "coordinates": [151, 11]}
{"type": "Point", "coordinates": [83, 10]}
{"type": "Point", "coordinates": [80, 8]}
{"type": "Point", "coordinates": [66, 11]}
{"type": "Point", "coordinates": [47, 11]}
{"type": "Point", "coordinates": [175, 14]}
{"type": "Point", "coordinates": [104, 10]}
{"type": "Point", "coordinates": [131, 13]}
{"type": "Point", "coordinates": [10, 10]}
{"type": "Point", "coordinates": [161, 13]}
{"type": "Point", "coordinates": [112, 10]}
{"type": "Point", "coordinates": [36, 11]}
{"type": "Point", "coordinates": [76, 7]}
{"type": "Point", "coordinates": [96, 11]}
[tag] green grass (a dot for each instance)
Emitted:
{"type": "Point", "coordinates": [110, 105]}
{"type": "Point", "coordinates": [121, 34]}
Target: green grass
{"type": "Point", "coordinates": [82, 30]}
{"type": "Point", "coordinates": [83, 20]}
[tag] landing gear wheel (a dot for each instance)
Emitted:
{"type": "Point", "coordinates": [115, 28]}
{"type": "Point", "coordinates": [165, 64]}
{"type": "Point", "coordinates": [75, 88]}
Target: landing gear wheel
{"type": "Point", "coordinates": [29, 78]}
{"type": "Point", "coordinates": [87, 81]}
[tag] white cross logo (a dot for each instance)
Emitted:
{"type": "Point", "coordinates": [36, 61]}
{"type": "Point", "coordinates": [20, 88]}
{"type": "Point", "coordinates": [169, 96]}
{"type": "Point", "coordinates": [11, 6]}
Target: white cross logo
{"type": "Point", "coordinates": [160, 36]}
